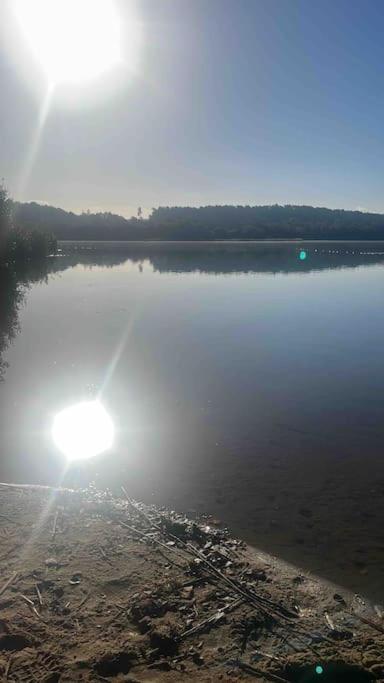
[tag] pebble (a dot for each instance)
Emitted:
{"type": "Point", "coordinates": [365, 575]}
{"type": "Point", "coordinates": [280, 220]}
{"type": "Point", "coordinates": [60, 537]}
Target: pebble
{"type": "Point", "coordinates": [339, 598]}
{"type": "Point", "coordinates": [187, 592]}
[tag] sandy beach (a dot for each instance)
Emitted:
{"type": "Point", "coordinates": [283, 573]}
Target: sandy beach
{"type": "Point", "coordinates": [97, 588]}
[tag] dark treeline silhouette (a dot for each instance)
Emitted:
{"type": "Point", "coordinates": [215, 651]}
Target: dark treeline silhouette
{"type": "Point", "coordinates": [23, 260]}
{"type": "Point", "coordinates": [205, 223]}
{"type": "Point", "coordinates": [266, 222]}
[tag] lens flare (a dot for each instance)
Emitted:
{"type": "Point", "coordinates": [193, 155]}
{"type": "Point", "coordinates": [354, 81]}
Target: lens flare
{"type": "Point", "coordinates": [83, 430]}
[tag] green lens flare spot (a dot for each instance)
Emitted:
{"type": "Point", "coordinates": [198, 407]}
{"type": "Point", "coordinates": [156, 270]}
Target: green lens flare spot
{"type": "Point", "coordinates": [319, 669]}
{"type": "Point", "coordinates": [302, 255]}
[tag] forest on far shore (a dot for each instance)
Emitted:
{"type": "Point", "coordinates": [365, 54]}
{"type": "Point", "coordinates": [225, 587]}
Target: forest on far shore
{"type": "Point", "coordinates": [203, 223]}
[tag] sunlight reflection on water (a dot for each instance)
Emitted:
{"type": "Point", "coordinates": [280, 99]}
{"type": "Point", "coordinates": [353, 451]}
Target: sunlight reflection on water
{"type": "Point", "coordinates": [83, 430]}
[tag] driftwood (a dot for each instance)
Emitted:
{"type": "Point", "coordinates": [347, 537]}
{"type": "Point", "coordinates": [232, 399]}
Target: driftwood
{"type": "Point", "coordinates": [259, 653]}
{"type": "Point", "coordinates": [140, 512]}
{"type": "Point", "coordinates": [27, 600]}
{"type": "Point", "coordinates": [282, 611]}
{"type": "Point", "coordinates": [31, 605]}
{"type": "Point", "coordinates": [9, 663]}
{"type": "Point", "coordinates": [248, 668]}
{"type": "Point", "coordinates": [154, 540]}
{"type": "Point", "coordinates": [370, 623]}
{"type": "Point", "coordinates": [213, 619]}
{"type": "Point", "coordinates": [40, 599]}
{"type": "Point", "coordinates": [8, 583]}
{"type": "Point", "coordinates": [264, 605]}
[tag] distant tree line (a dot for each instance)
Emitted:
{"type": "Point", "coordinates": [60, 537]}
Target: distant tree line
{"type": "Point", "coordinates": [204, 223]}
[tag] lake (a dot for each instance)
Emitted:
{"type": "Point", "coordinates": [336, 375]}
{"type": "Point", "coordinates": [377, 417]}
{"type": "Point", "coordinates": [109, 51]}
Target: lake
{"type": "Point", "coordinates": [245, 381]}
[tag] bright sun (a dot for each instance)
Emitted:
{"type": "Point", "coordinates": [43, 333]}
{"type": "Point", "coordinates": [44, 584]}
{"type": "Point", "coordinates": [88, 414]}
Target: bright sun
{"type": "Point", "coordinates": [83, 430]}
{"type": "Point", "coordinates": [73, 40]}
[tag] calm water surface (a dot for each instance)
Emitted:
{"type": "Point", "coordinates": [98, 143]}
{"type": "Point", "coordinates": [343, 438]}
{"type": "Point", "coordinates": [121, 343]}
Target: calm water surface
{"type": "Point", "coordinates": [244, 381]}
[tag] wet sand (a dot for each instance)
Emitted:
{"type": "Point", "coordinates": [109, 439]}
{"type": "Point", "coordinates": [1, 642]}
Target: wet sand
{"type": "Point", "coordinates": [322, 514]}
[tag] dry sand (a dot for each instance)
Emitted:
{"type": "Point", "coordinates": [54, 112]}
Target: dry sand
{"type": "Point", "coordinates": [94, 588]}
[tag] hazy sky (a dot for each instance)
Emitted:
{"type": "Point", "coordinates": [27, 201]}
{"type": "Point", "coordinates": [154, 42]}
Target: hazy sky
{"type": "Point", "coordinates": [232, 101]}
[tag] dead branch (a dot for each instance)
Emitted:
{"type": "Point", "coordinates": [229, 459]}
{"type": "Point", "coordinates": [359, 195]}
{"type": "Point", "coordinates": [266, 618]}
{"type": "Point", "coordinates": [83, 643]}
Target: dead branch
{"type": "Point", "coordinates": [258, 672]}
{"type": "Point", "coordinates": [213, 619]}
{"type": "Point", "coordinates": [8, 583]}
{"type": "Point", "coordinates": [370, 623]}
{"type": "Point", "coordinates": [39, 595]}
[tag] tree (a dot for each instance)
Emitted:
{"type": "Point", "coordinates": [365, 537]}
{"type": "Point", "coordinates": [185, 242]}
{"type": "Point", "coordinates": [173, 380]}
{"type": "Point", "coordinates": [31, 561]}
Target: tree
{"type": "Point", "coordinates": [5, 211]}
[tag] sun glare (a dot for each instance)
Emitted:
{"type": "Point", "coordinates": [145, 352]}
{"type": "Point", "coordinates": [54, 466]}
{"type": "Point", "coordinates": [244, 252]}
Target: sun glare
{"type": "Point", "coordinates": [73, 40]}
{"type": "Point", "coordinates": [83, 430]}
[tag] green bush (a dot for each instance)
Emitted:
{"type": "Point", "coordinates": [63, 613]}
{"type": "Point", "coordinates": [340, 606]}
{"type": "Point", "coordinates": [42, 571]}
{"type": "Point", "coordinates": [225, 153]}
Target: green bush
{"type": "Point", "coordinates": [23, 245]}
{"type": "Point", "coordinates": [18, 246]}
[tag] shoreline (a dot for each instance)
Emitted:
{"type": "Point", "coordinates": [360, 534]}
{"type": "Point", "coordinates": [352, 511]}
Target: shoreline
{"type": "Point", "coordinates": [218, 242]}
{"type": "Point", "coordinates": [95, 587]}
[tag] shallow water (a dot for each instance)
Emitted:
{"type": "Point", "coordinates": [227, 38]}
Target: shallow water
{"type": "Point", "coordinates": [244, 381]}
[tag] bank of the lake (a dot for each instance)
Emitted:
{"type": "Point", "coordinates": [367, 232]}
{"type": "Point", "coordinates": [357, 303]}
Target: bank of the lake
{"type": "Point", "coordinates": [96, 588]}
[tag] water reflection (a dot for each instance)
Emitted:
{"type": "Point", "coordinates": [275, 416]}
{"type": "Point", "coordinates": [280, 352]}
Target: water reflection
{"type": "Point", "coordinates": [221, 258]}
{"type": "Point", "coordinates": [14, 284]}
{"type": "Point", "coordinates": [83, 431]}
{"type": "Point", "coordinates": [176, 257]}
{"type": "Point", "coordinates": [244, 382]}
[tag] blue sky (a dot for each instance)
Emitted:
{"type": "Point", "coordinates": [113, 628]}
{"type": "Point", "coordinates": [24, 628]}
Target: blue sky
{"type": "Point", "coordinates": [234, 101]}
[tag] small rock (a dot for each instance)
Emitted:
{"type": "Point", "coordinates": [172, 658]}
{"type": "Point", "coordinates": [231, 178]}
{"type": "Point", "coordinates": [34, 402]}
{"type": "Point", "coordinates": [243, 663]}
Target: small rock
{"type": "Point", "coordinates": [164, 639]}
{"type": "Point", "coordinates": [187, 592]}
{"type": "Point", "coordinates": [144, 624]}
{"type": "Point", "coordinates": [339, 598]}
{"type": "Point", "coordinates": [51, 562]}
